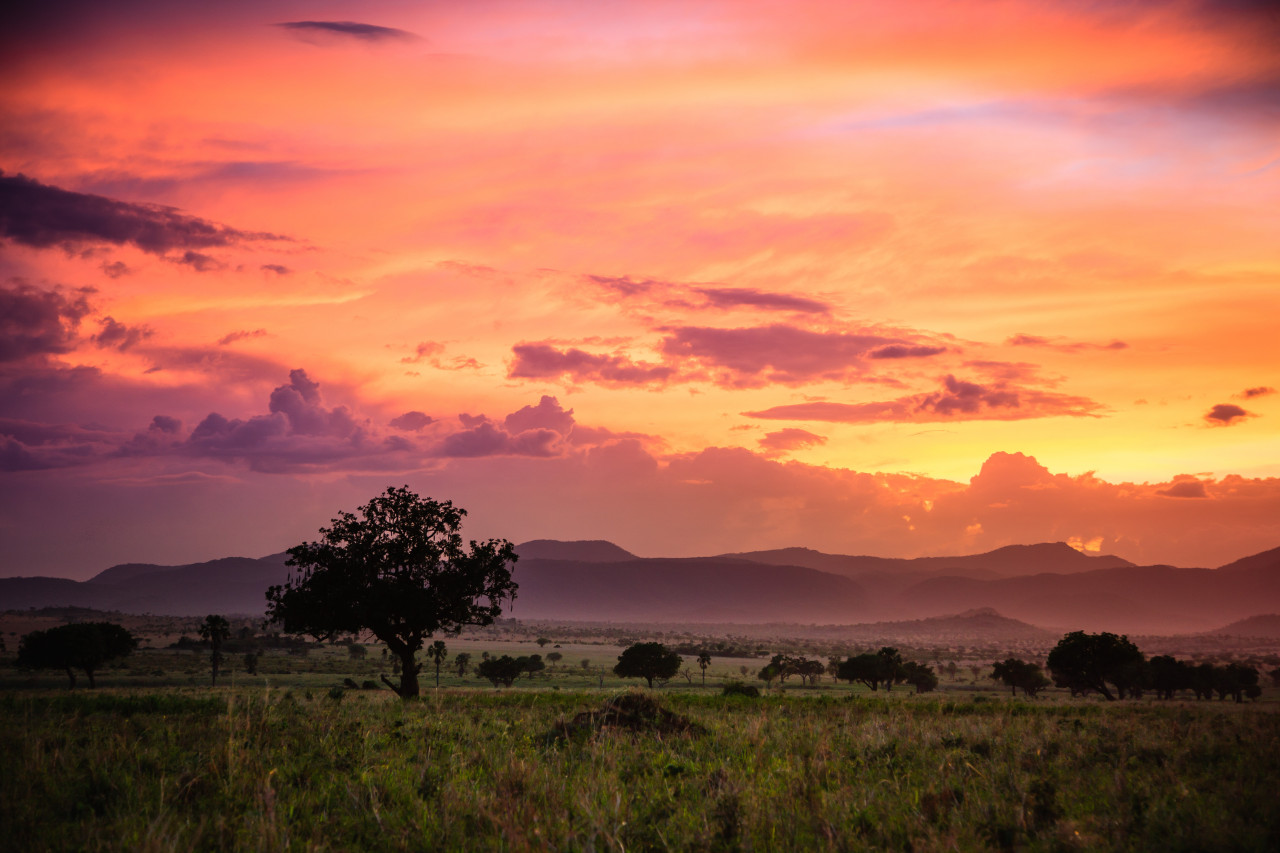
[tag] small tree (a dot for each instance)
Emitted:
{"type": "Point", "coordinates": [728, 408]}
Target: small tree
{"type": "Point", "coordinates": [502, 670]}
{"type": "Point", "coordinates": [437, 652]}
{"type": "Point", "coordinates": [531, 665]}
{"type": "Point", "coordinates": [251, 662]}
{"type": "Point", "coordinates": [542, 642]}
{"type": "Point", "coordinates": [1019, 675]}
{"type": "Point", "coordinates": [648, 661]}
{"type": "Point", "coordinates": [704, 661]}
{"type": "Point", "coordinates": [398, 570]}
{"type": "Point", "coordinates": [460, 662]}
{"type": "Point", "coordinates": [920, 676]}
{"type": "Point", "coordinates": [554, 657]}
{"type": "Point", "coordinates": [215, 630]}
{"type": "Point", "coordinates": [84, 645]}
{"type": "Point", "coordinates": [355, 651]}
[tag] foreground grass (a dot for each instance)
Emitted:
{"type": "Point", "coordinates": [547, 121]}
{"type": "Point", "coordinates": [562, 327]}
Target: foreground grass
{"type": "Point", "coordinates": [268, 770]}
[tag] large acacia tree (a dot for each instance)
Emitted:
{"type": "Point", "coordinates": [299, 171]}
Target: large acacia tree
{"type": "Point", "coordinates": [82, 645]}
{"type": "Point", "coordinates": [399, 571]}
{"type": "Point", "coordinates": [1083, 662]}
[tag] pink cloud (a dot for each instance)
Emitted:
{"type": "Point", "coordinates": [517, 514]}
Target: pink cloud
{"type": "Point", "coordinates": [791, 438]}
{"type": "Point", "coordinates": [543, 361]}
{"type": "Point", "coordinates": [1226, 414]}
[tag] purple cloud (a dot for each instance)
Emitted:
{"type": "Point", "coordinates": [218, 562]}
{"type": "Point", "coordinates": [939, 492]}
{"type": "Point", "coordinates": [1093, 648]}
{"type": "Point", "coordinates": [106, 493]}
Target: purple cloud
{"type": "Point", "coordinates": [38, 322]}
{"type": "Point", "coordinates": [347, 29]}
{"type": "Point", "coordinates": [118, 336]}
{"type": "Point", "coordinates": [485, 439]}
{"type": "Point", "coordinates": [546, 415]}
{"type": "Point", "coordinates": [736, 297]}
{"type": "Point", "coordinates": [791, 438]}
{"type": "Point", "coordinates": [43, 216]}
{"type": "Point", "coordinates": [955, 400]}
{"type": "Point", "coordinates": [542, 361]}
{"type": "Point", "coordinates": [411, 421]}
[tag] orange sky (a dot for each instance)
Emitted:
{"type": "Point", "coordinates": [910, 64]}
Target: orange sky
{"type": "Point", "coordinates": [901, 279]}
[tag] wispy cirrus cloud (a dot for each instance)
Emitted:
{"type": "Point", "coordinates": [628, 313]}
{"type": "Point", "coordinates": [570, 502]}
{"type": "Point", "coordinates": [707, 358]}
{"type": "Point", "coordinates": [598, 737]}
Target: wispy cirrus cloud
{"type": "Point", "coordinates": [1058, 343]}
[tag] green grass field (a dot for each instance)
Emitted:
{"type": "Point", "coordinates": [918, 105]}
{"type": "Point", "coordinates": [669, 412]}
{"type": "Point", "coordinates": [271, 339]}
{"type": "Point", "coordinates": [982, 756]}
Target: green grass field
{"type": "Point", "coordinates": [257, 768]}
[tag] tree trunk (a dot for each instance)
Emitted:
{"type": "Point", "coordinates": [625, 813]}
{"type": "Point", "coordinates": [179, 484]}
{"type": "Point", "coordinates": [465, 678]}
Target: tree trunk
{"type": "Point", "coordinates": [71, 675]}
{"type": "Point", "coordinates": [89, 672]}
{"type": "Point", "coordinates": [409, 669]}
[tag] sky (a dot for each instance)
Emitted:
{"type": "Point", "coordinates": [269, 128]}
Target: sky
{"type": "Point", "coordinates": [902, 279]}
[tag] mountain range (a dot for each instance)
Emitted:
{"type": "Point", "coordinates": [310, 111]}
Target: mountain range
{"type": "Point", "coordinates": [1049, 585]}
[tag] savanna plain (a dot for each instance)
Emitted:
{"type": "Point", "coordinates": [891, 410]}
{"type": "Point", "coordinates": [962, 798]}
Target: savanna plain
{"type": "Point", "coordinates": [311, 753]}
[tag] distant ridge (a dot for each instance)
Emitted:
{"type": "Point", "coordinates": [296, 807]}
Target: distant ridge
{"type": "Point", "coordinates": [1048, 585]}
{"type": "Point", "coordinates": [1265, 625]}
{"type": "Point", "coordinates": [979, 624]}
{"type": "Point", "coordinates": [581, 550]}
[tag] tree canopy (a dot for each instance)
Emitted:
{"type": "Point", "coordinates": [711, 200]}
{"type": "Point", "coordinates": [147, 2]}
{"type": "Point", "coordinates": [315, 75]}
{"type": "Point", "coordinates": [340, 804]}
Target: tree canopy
{"type": "Point", "coordinates": [1083, 662]}
{"type": "Point", "coordinates": [884, 667]}
{"type": "Point", "coordinates": [648, 661]}
{"type": "Point", "coordinates": [1019, 675]}
{"type": "Point", "coordinates": [399, 571]}
{"type": "Point", "coordinates": [83, 645]}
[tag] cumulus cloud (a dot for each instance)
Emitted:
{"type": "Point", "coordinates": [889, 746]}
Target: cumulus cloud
{"type": "Point", "coordinates": [39, 322]}
{"type": "Point", "coordinates": [1226, 414]}
{"type": "Point", "coordinates": [548, 414]}
{"type": "Point", "coordinates": [43, 216]}
{"type": "Point", "coordinates": [345, 29]}
{"type": "Point", "coordinates": [485, 439]}
{"type": "Point", "coordinates": [1191, 488]}
{"type": "Point", "coordinates": [791, 438]}
{"type": "Point", "coordinates": [299, 433]}
{"type": "Point", "coordinates": [543, 361]}
{"type": "Point", "coordinates": [955, 400]}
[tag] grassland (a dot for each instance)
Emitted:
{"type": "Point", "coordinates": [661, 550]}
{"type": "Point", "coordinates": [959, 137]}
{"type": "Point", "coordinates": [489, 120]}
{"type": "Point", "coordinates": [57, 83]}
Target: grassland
{"type": "Point", "coordinates": [257, 768]}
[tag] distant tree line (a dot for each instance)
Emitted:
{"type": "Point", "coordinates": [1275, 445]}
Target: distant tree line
{"type": "Point", "coordinates": [1114, 668]}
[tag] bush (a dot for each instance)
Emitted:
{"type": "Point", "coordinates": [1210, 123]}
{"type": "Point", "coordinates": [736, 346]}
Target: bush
{"type": "Point", "coordinates": [737, 688]}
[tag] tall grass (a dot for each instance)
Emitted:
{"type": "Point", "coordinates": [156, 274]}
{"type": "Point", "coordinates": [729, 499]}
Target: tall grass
{"type": "Point", "coordinates": [274, 770]}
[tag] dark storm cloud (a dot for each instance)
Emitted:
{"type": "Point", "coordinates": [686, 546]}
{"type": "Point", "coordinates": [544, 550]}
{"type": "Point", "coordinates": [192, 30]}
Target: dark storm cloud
{"type": "Point", "coordinates": [38, 322]}
{"type": "Point", "coordinates": [956, 399]}
{"type": "Point", "coordinates": [1226, 414]}
{"type": "Point", "coordinates": [43, 216]}
{"type": "Point", "coordinates": [348, 29]}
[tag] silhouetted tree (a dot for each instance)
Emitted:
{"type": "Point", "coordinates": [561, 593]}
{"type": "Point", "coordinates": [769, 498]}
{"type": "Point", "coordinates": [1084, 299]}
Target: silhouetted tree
{"type": "Point", "coordinates": [1019, 675]}
{"type": "Point", "coordinates": [704, 661]}
{"type": "Point", "coordinates": [437, 652]}
{"type": "Point", "coordinates": [1237, 681]}
{"type": "Point", "coordinates": [1082, 662]}
{"type": "Point", "coordinates": [884, 667]}
{"type": "Point", "coordinates": [502, 670]}
{"type": "Point", "coordinates": [83, 645]}
{"type": "Point", "coordinates": [1168, 675]}
{"type": "Point", "coordinates": [542, 642]}
{"type": "Point", "coordinates": [251, 662]}
{"type": "Point", "coordinates": [648, 661]}
{"type": "Point", "coordinates": [215, 630]}
{"type": "Point", "coordinates": [554, 657]}
{"type": "Point", "coordinates": [531, 665]}
{"type": "Point", "coordinates": [399, 571]}
{"type": "Point", "coordinates": [920, 676]}
{"type": "Point", "coordinates": [1274, 675]}
{"type": "Point", "coordinates": [460, 662]}
{"type": "Point", "coordinates": [355, 651]}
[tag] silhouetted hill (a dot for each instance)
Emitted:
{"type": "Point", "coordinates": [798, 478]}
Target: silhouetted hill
{"type": "Point", "coordinates": [1267, 560]}
{"type": "Point", "coordinates": [699, 589]}
{"type": "Point", "coordinates": [982, 625]}
{"type": "Point", "coordinates": [1267, 625]}
{"type": "Point", "coordinates": [1131, 599]}
{"type": "Point", "coordinates": [583, 550]}
{"type": "Point", "coordinates": [1011, 560]}
{"type": "Point", "coordinates": [228, 585]}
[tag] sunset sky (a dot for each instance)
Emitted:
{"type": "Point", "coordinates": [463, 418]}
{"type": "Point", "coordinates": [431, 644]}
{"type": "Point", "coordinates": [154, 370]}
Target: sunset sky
{"type": "Point", "coordinates": [902, 279]}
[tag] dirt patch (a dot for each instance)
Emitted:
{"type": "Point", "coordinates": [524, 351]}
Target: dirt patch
{"type": "Point", "coordinates": [633, 712]}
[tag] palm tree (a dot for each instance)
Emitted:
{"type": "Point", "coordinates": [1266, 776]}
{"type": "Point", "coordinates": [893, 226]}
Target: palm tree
{"type": "Point", "coordinates": [437, 652]}
{"type": "Point", "coordinates": [704, 661]}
